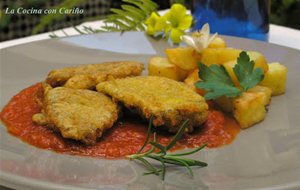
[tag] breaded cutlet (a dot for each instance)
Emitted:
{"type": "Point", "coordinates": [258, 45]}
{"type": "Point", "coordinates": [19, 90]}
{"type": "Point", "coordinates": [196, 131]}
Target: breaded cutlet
{"type": "Point", "coordinates": [77, 114]}
{"type": "Point", "coordinates": [168, 101]}
{"type": "Point", "coordinates": [88, 76]}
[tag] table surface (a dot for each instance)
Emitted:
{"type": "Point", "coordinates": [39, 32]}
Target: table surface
{"type": "Point", "coordinates": [278, 35]}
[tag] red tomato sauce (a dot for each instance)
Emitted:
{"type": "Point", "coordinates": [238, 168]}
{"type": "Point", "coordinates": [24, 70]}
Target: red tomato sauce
{"type": "Point", "coordinates": [123, 139]}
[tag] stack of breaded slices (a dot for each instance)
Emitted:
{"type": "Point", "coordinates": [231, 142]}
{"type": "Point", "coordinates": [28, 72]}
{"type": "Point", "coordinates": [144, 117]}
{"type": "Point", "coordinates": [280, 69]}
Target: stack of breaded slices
{"type": "Point", "coordinates": [72, 106]}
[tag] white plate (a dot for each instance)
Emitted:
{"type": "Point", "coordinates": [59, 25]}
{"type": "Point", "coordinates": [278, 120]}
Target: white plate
{"type": "Point", "coordinates": [264, 156]}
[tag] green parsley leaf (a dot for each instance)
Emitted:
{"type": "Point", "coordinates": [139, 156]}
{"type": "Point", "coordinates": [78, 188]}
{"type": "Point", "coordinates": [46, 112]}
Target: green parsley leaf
{"type": "Point", "coordinates": [244, 70]}
{"type": "Point", "coordinates": [216, 80]}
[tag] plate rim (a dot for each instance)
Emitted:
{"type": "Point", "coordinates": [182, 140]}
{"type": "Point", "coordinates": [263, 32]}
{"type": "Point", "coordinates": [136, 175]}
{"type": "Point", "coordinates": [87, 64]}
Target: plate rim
{"type": "Point", "coordinates": [42, 184]}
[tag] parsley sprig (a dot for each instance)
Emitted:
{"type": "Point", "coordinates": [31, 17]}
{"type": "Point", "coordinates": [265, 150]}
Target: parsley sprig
{"type": "Point", "coordinates": [217, 82]}
{"type": "Point", "coordinates": [163, 157]}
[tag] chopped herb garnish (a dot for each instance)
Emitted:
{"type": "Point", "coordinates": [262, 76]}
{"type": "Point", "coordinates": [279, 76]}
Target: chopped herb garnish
{"type": "Point", "coordinates": [217, 81]}
{"type": "Point", "coordinates": [244, 70]}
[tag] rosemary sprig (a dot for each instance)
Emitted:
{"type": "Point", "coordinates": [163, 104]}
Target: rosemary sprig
{"type": "Point", "coordinates": [163, 156]}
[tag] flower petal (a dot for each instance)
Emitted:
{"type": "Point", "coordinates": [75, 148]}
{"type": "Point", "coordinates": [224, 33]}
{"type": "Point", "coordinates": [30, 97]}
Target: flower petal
{"type": "Point", "coordinates": [176, 14]}
{"type": "Point", "coordinates": [185, 22]}
{"type": "Point", "coordinates": [205, 32]}
{"type": "Point", "coordinates": [178, 10]}
{"type": "Point", "coordinates": [161, 24]}
{"type": "Point", "coordinates": [205, 28]}
{"type": "Point", "coordinates": [188, 40]}
{"type": "Point", "coordinates": [151, 22]}
{"type": "Point", "coordinates": [176, 34]}
{"type": "Point", "coordinates": [167, 31]}
{"type": "Point", "coordinates": [212, 38]}
{"type": "Point", "coordinates": [150, 31]}
{"type": "Point", "coordinates": [152, 19]}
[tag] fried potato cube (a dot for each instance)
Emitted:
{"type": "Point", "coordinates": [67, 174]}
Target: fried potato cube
{"type": "Point", "coordinates": [191, 79]}
{"type": "Point", "coordinates": [184, 57]}
{"type": "Point", "coordinates": [275, 78]}
{"type": "Point", "coordinates": [217, 43]}
{"type": "Point", "coordinates": [249, 109]}
{"type": "Point", "coordinates": [222, 56]}
{"type": "Point", "coordinates": [226, 104]}
{"type": "Point", "coordinates": [219, 55]}
{"type": "Point", "coordinates": [259, 59]}
{"type": "Point", "coordinates": [160, 66]}
{"type": "Point", "coordinates": [266, 92]}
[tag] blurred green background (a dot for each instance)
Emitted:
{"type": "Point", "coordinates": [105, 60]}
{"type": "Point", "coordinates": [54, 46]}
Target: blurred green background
{"type": "Point", "coordinates": [283, 12]}
{"type": "Point", "coordinates": [286, 13]}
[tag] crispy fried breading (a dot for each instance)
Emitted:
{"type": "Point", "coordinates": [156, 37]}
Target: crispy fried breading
{"type": "Point", "coordinates": [77, 114]}
{"type": "Point", "coordinates": [169, 101]}
{"type": "Point", "coordinates": [88, 76]}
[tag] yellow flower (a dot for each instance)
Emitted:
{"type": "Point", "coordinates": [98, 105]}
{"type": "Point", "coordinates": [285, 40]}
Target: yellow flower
{"type": "Point", "coordinates": [177, 22]}
{"type": "Point", "coordinates": [173, 23]}
{"type": "Point", "coordinates": [155, 24]}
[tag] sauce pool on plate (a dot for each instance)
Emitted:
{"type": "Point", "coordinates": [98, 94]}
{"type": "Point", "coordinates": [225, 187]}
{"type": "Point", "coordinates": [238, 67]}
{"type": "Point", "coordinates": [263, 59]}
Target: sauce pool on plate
{"type": "Point", "coordinates": [123, 139]}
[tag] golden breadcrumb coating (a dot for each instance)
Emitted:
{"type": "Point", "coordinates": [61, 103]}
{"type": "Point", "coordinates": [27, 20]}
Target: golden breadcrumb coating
{"type": "Point", "coordinates": [169, 101]}
{"type": "Point", "coordinates": [77, 114]}
{"type": "Point", "coordinates": [88, 76]}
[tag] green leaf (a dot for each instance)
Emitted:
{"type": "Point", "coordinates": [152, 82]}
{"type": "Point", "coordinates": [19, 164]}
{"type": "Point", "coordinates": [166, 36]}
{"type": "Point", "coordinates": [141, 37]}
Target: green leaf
{"type": "Point", "coordinates": [53, 35]}
{"type": "Point", "coordinates": [111, 28]}
{"type": "Point", "coordinates": [216, 80]}
{"type": "Point", "coordinates": [186, 165]}
{"type": "Point", "coordinates": [151, 4]}
{"type": "Point", "coordinates": [126, 23]}
{"type": "Point", "coordinates": [146, 5]}
{"type": "Point", "coordinates": [152, 148]}
{"type": "Point", "coordinates": [216, 73]}
{"type": "Point", "coordinates": [216, 90]}
{"type": "Point", "coordinates": [138, 13]}
{"type": "Point", "coordinates": [65, 33]}
{"type": "Point", "coordinates": [131, 16]}
{"type": "Point", "coordinates": [78, 30]}
{"type": "Point", "coordinates": [148, 135]}
{"type": "Point", "coordinates": [159, 146]}
{"type": "Point", "coordinates": [244, 70]}
{"type": "Point", "coordinates": [191, 152]}
{"type": "Point", "coordinates": [149, 166]}
{"type": "Point", "coordinates": [89, 29]}
{"type": "Point", "coordinates": [119, 24]}
{"type": "Point", "coordinates": [125, 16]}
{"type": "Point", "coordinates": [149, 173]}
{"type": "Point", "coordinates": [163, 168]}
{"type": "Point", "coordinates": [178, 135]}
{"type": "Point", "coordinates": [192, 162]}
